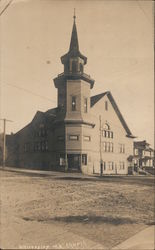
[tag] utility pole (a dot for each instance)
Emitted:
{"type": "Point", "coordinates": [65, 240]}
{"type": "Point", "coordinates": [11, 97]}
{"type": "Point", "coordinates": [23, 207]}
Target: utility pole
{"type": "Point", "coordinates": [101, 161]}
{"type": "Point", "coordinates": [4, 140]}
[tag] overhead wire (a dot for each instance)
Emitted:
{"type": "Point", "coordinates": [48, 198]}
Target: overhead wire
{"type": "Point", "coordinates": [7, 5]}
{"type": "Point", "coordinates": [54, 101]}
{"type": "Point", "coordinates": [31, 92]}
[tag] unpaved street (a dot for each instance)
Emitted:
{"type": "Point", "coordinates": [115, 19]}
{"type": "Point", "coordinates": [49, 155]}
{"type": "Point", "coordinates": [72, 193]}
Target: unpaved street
{"type": "Point", "coordinates": [63, 212]}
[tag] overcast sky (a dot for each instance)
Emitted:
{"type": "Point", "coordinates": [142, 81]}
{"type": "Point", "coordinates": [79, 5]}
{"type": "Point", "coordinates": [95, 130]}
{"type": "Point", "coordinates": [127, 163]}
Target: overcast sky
{"type": "Point", "coordinates": [116, 36]}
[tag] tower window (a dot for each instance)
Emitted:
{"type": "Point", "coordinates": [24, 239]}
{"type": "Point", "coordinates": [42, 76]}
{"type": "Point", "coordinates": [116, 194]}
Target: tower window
{"type": "Point", "coordinates": [73, 103]}
{"type": "Point", "coordinates": [85, 105]}
{"type": "Point", "coordinates": [106, 105]}
{"type": "Point", "coordinates": [74, 66]}
{"type": "Point", "coordinates": [81, 68]}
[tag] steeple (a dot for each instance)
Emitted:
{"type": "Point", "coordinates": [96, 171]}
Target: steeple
{"type": "Point", "coordinates": [73, 62]}
{"type": "Point", "coordinates": [74, 44]}
{"type": "Point", "coordinates": [74, 51]}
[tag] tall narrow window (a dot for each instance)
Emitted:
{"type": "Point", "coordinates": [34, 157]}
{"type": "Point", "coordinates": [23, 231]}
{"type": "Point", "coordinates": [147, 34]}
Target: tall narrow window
{"type": "Point", "coordinates": [74, 67]}
{"type": "Point", "coordinates": [81, 68]}
{"type": "Point", "coordinates": [104, 146]}
{"type": "Point", "coordinates": [73, 103]}
{"type": "Point", "coordinates": [121, 148]}
{"type": "Point", "coordinates": [106, 105]}
{"type": "Point", "coordinates": [85, 105]}
{"type": "Point", "coordinates": [84, 159]}
{"type": "Point", "coordinates": [104, 165]}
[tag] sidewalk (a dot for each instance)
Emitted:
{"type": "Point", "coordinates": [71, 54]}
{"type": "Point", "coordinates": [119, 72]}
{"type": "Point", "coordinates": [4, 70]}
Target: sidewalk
{"type": "Point", "coordinates": [45, 172]}
{"type": "Point", "coordinates": [71, 174]}
{"type": "Point", "coordinates": [144, 240]}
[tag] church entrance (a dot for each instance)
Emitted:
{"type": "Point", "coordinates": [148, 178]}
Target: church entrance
{"type": "Point", "coordinates": [74, 162]}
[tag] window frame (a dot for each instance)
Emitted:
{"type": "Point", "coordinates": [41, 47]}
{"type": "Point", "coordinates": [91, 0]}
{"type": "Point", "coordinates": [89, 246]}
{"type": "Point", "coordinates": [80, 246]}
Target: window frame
{"type": "Point", "coordinates": [85, 105]}
{"type": "Point", "coordinates": [74, 103]}
{"type": "Point", "coordinates": [85, 137]}
{"type": "Point", "coordinates": [84, 159]}
{"type": "Point", "coordinates": [73, 137]}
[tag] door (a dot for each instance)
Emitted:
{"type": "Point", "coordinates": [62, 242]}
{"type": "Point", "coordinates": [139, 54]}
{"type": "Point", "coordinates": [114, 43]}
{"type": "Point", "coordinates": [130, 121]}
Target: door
{"type": "Point", "coordinates": [74, 162]}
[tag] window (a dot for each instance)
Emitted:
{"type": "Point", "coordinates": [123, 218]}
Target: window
{"type": "Point", "coordinates": [121, 148]}
{"type": "Point", "coordinates": [74, 66]}
{"type": "Point", "coordinates": [121, 165]}
{"type": "Point", "coordinates": [60, 138]}
{"type": "Point", "coordinates": [62, 160]}
{"type": "Point", "coordinates": [106, 132]}
{"type": "Point", "coordinates": [106, 105]}
{"type": "Point", "coordinates": [26, 147]}
{"type": "Point", "coordinates": [41, 146]}
{"type": "Point", "coordinates": [44, 146]}
{"type": "Point", "coordinates": [106, 126]}
{"type": "Point", "coordinates": [85, 105]}
{"type": "Point", "coordinates": [84, 159]}
{"type": "Point", "coordinates": [111, 134]}
{"type": "Point", "coordinates": [104, 165]}
{"type": "Point", "coordinates": [108, 146]}
{"type": "Point", "coordinates": [73, 137]}
{"type": "Point", "coordinates": [110, 165]}
{"type": "Point", "coordinates": [41, 130]}
{"type": "Point", "coordinates": [136, 151]}
{"type": "Point", "coordinates": [104, 146]}
{"type": "Point", "coordinates": [111, 147]}
{"type": "Point", "coordinates": [81, 67]}
{"type": "Point", "coordinates": [38, 146]}
{"type": "Point", "coordinates": [87, 138]}
{"type": "Point", "coordinates": [73, 103]}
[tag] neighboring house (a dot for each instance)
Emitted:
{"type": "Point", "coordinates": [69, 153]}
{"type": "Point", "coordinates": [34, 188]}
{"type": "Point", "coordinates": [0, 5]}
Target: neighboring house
{"type": "Point", "coordinates": [143, 155]}
{"type": "Point", "coordinates": [82, 133]}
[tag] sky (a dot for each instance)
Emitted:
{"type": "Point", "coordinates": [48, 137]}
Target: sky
{"type": "Point", "coordinates": [116, 36]}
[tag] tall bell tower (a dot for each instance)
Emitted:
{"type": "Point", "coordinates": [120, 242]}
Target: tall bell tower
{"type": "Point", "coordinates": [73, 120]}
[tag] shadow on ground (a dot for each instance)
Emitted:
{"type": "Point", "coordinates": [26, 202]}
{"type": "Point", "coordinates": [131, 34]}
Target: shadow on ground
{"type": "Point", "coordinates": [118, 179]}
{"type": "Point", "coordinates": [86, 219]}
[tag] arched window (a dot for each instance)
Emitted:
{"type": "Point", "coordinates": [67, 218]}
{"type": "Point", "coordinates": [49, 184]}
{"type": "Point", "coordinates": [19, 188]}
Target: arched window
{"type": "Point", "coordinates": [107, 131]}
{"type": "Point", "coordinates": [106, 126]}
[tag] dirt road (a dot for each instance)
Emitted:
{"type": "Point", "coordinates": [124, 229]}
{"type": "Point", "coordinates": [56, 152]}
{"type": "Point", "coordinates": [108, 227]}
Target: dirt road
{"type": "Point", "coordinates": [45, 212]}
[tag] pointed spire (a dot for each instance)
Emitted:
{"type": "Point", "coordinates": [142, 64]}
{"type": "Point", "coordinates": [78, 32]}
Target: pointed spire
{"type": "Point", "coordinates": [74, 44]}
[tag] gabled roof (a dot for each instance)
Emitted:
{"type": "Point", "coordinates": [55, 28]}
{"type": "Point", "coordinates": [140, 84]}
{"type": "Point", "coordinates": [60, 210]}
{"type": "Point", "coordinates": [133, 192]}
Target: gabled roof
{"type": "Point", "coordinates": [50, 114]}
{"type": "Point", "coordinates": [141, 143]}
{"type": "Point", "coordinates": [96, 98]}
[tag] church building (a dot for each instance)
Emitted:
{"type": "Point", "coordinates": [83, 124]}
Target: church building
{"type": "Point", "coordinates": [83, 133]}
